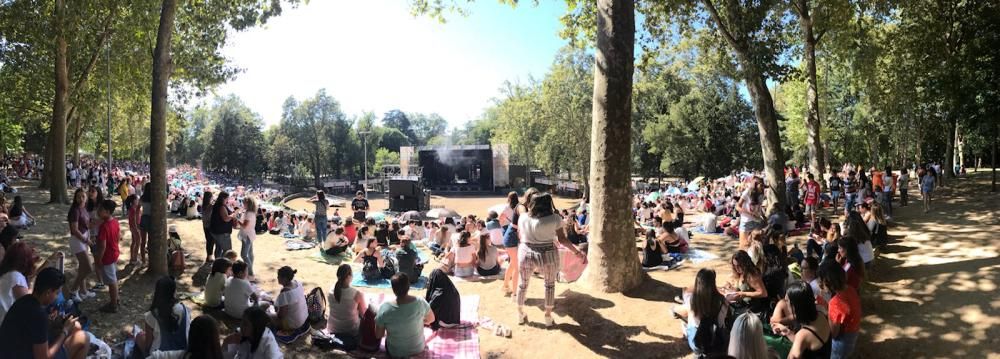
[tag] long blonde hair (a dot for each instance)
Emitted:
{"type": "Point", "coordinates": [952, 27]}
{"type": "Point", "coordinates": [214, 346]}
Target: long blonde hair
{"type": "Point", "coordinates": [878, 213]}
{"type": "Point", "coordinates": [250, 204]}
{"type": "Point", "coordinates": [746, 340]}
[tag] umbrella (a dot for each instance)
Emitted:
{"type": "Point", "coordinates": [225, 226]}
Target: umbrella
{"type": "Point", "coordinates": [409, 216]}
{"type": "Point", "coordinates": [377, 216]}
{"type": "Point", "coordinates": [673, 191]}
{"type": "Point", "coordinates": [652, 197]}
{"type": "Point", "coordinates": [442, 213]}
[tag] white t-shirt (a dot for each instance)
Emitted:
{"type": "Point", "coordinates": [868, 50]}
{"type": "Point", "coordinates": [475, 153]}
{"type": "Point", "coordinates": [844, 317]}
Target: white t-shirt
{"type": "Point", "coordinates": [867, 252]}
{"type": "Point", "coordinates": [237, 296]}
{"type": "Point", "coordinates": [506, 216]}
{"type": "Point", "coordinates": [7, 283]}
{"type": "Point", "coordinates": [747, 206]}
{"type": "Point", "coordinates": [266, 349]}
{"type": "Point", "coordinates": [538, 230]}
{"type": "Point", "coordinates": [214, 287]}
{"type": "Point", "coordinates": [463, 254]}
{"type": "Point", "coordinates": [250, 230]}
{"type": "Point", "coordinates": [295, 301]}
{"type": "Point", "coordinates": [153, 323]}
{"type": "Point", "coordinates": [343, 314]}
{"type": "Point", "coordinates": [710, 223]}
{"type": "Point", "coordinates": [491, 258]}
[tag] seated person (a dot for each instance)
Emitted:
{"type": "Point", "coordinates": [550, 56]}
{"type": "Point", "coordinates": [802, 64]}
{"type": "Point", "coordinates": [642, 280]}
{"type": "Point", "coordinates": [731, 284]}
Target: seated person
{"type": "Point", "coordinates": [203, 341]}
{"type": "Point", "coordinates": [710, 224]}
{"type": "Point", "coordinates": [462, 258]}
{"type": "Point", "coordinates": [373, 265]}
{"type": "Point", "coordinates": [335, 244]}
{"type": "Point", "coordinates": [364, 236]}
{"type": "Point", "coordinates": [487, 263]}
{"type": "Point", "coordinates": [165, 325]}
{"type": "Point", "coordinates": [26, 331]}
{"type": "Point", "coordinates": [239, 293]}
{"type": "Point", "coordinates": [445, 302]}
{"type": "Point", "coordinates": [254, 339]}
{"type": "Point", "coordinates": [704, 310]}
{"type": "Point", "coordinates": [653, 251]}
{"type": "Point", "coordinates": [407, 259]}
{"type": "Point", "coordinates": [402, 321]}
{"type": "Point", "coordinates": [382, 234]}
{"type": "Point", "coordinates": [290, 305]}
{"type": "Point", "coordinates": [346, 305]}
{"type": "Point", "coordinates": [442, 242]}
{"type": "Point", "coordinates": [216, 282]}
{"type": "Point", "coordinates": [669, 238]}
{"type": "Point", "coordinates": [494, 229]}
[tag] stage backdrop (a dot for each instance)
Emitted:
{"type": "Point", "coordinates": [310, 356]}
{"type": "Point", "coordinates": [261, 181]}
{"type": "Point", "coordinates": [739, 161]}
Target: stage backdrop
{"type": "Point", "coordinates": [501, 165]}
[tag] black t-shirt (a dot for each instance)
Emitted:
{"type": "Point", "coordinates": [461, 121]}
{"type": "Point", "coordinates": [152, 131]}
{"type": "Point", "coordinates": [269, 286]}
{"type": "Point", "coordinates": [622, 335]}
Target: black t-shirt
{"type": "Point", "coordinates": [24, 326]}
{"type": "Point", "coordinates": [8, 235]}
{"type": "Point", "coordinates": [359, 204]}
{"type": "Point", "coordinates": [382, 237]}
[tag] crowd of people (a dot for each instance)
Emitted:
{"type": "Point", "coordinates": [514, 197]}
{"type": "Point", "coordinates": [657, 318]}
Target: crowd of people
{"type": "Point", "coordinates": [778, 299]}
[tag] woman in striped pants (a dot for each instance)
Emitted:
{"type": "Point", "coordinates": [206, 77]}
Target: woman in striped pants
{"type": "Point", "coordinates": [539, 231]}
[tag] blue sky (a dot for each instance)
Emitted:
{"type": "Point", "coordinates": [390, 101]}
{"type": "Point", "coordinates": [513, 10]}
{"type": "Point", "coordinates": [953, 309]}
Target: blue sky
{"type": "Point", "coordinates": [373, 55]}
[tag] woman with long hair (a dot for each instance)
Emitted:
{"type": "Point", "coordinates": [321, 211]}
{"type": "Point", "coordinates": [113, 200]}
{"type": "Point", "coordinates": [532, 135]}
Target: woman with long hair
{"type": "Point", "coordinates": [79, 244]}
{"type": "Point", "coordinates": [222, 224]}
{"type": "Point", "coordinates": [165, 325]}
{"type": "Point", "coordinates": [347, 305]}
{"type": "Point", "coordinates": [849, 258]}
{"type": "Point", "coordinates": [248, 233]}
{"type": "Point", "coordinates": [206, 221]}
{"type": "Point", "coordinates": [17, 272]}
{"type": "Point", "coordinates": [462, 258]}
{"type": "Point", "coordinates": [320, 215]}
{"type": "Point", "coordinates": [844, 308]}
{"type": "Point", "coordinates": [486, 259]}
{"type": "Point", "coordinates": [750, 207]}
{"type": "Point", "coordinates": [746, 340]}
{"type": "Point", "coordinates": [512, 239]}
{"type": "Point", "coordinates": [145, 219]}
{"type": "Point", "coordinates": [254, 340]}
{"type": "Point", "coordinates": [540, 230]}
{"type": "Point", "coordinates": [810, 332]}
{"type": "Point", "coordinates": [702, 302]}
{"type": "Point", "coordinates": [746, 285]}
{"type": "Point", "coordinates": [203, 342]}
{"type": "Point", "coordinates": [19, 216]}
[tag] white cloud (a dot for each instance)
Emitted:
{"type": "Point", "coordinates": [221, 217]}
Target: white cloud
{"type": "Point", "coordinates": [375, 56]}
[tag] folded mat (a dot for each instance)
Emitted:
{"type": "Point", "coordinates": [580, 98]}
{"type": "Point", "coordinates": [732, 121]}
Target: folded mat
{"type": "Point", "coordinates": [458, 342]}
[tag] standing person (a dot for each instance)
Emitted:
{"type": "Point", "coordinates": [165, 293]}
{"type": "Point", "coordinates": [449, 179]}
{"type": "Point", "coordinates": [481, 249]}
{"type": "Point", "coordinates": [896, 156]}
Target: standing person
{"type": "Point", "coordinates": [903, 183]}
{"type": "Point", "coordinates": [812, 197]}
{"type": "Point", "coordinates": [845, 310]}
{"type": "Point", "coordinates": [25, 331]}
{"type": "Point", "coordinates": [222, 223]}
{"type": "Point", "coordinates": [792, 185]}
{"type": "Point", "coordinates": [836, 186]}
{"type": "Point", "coordinates": [927, 183]}
{"type": "Point", "coordinates": [206, 222]}
{"type": "Point", "coordinates": [402, 321]}
{"type": "Point", "coordinates": [888, 185]}
{"type": "Point", "coordinates": [106, 253]}
{"type": "Point", "coordinates": [360, 206]}
{"type": "Point", "coordinates": [512, 240]}
{"type": "Point", "coordinates": [145, 219]}
{"type": "Point", "coordinates": [79, 243]}
{"type": "Point", "coordinates": [134, 212]}
{"type": "Point", "coordinates": [248, 233]}
{"type": "Point", "coordinates": [94, 200]}
{"type": "Point", "coordinates": [851, 192]}
{"type": "Point", "coordinates": [750, 206]}
{"type": "Point", "coordinates": [506, 217]}
{"type": "Point", "coordinates": [320, 215]}
{"type": "Point", "coordinates": [540, 230]}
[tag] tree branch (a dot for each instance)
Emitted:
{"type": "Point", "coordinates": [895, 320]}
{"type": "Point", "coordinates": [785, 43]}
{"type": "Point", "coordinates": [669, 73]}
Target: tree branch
{"type": "Point", "coordinates": [82, 80]}
{"type": "Point", "coordinates": [820, 36]}
{"type": "Point", "coordinates": [718, 21]}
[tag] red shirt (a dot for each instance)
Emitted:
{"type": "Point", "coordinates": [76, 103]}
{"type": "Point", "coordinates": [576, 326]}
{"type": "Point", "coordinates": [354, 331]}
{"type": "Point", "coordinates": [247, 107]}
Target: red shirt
{"type": "Point", "coordinates": [845, 310]}
{"type": "Point", "coordinates": [812, 192]}
{"type": "Point", "coordinates": [109, 233]}
{"type": "Point", "coordinates": [351, 232]}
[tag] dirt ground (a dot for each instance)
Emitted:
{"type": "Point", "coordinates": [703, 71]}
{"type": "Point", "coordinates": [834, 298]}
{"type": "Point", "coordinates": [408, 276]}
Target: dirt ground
{"type": "Point", "coordinates": [932, 293]}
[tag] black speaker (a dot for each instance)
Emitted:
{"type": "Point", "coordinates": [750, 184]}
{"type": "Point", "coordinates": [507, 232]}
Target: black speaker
{"type": "Point", "coordinates": [403, 188]}
{"type": "Point", "coordinates": [404, 203]}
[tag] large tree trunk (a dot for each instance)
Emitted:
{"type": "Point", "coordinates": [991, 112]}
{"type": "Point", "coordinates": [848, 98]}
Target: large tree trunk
{"type": "Point", "coordinates": [162, 68]}
{"type": "Point", "coordinates": [996, 133]}
{"type": "Point", "coordinates": [949, 160]}
{"type": "Point", "coordinates": [76, 140]}
{"type": "Point", "coordinates": [812, 98]}
{"type": "Point", "coordinates": [56, 168]}
{"type": "Point", "coordinates": [614, 266]}
{"type": "Point", "coordinates": [770, 139]}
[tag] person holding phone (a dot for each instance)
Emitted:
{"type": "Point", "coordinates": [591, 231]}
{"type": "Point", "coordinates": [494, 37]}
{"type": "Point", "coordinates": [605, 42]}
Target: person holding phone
{"type": "Point", "coordinates": [25, 331]}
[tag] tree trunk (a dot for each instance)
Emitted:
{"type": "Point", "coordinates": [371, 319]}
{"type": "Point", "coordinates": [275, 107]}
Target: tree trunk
{"type": "Point", "coordinates": [57, 155]}
{"type": "Point", "coordinates": [812, 98]}
{"type": "Point", "coordinates": [76, 141]}
{"type": "Point", "coordinates": [996, 133]}
{"type": "Point", "coordinates": [162, 68]}
{"type": "Point", "coordinates": [613, 266]}
{"type": "Point", "coordinates": [949, 160]}
{"type": "Point", "coordinates": [770, 139]}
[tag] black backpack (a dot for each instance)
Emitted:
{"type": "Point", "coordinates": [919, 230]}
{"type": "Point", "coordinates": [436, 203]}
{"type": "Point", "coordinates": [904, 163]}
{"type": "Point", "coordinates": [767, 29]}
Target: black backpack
{"type": "Point", "coordinates": [370, 271]}
{"type": "Point", "coordinates": [711, 338]}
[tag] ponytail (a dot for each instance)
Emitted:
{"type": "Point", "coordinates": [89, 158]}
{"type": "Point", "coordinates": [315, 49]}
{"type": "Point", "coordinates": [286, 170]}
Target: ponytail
{"type": "Point", "coordinates": [342, 273]}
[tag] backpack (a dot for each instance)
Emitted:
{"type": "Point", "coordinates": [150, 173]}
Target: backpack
{"type": "Point", "coordinates": [370, 271]}
{"type": "Point", "coordinates": [366, 332]}
{"type": "Point", "coordinates": [711, 338]}
{"type": "Point", "coordinates": [316, 302]}
{"type": "Point", "coordinates": [176, 258]}
{"type": "Point", "coordinates": [880, 235]}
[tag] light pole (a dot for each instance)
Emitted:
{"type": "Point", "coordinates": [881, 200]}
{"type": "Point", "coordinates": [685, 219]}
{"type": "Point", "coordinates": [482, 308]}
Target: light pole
{"type": "Point", "coordinates": [364, 143]}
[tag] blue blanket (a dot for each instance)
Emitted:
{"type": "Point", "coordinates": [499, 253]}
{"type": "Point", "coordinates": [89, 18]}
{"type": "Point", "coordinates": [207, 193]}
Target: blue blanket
{"type": "Point", "coordinates": [384, 283]}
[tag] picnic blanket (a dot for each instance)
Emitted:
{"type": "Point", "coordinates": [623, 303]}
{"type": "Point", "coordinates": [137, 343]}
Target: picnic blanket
{"type": "Point", "coordinates": [697, 256]}
{"type": "Point", "coordinates": [359, 281]}
{"type": "Point", "coordinates": [336, 260]}
{"type": "Point", "coordinates": [458, 342]}
{"type": "Point", "coordinates": [295, 244]}
{"type": "Point", "coordinates": [476, 278]}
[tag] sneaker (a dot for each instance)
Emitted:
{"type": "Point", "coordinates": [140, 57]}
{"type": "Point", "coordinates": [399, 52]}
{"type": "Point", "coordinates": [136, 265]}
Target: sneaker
{"type": "Point", "coordinates": [522, 319]}
{"type": "Point", "coordinates": [76, 297]}
{"type": "Point", "coordinates": [87, 295]}
{"type": "Point", "coordinates": [549, 322]}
